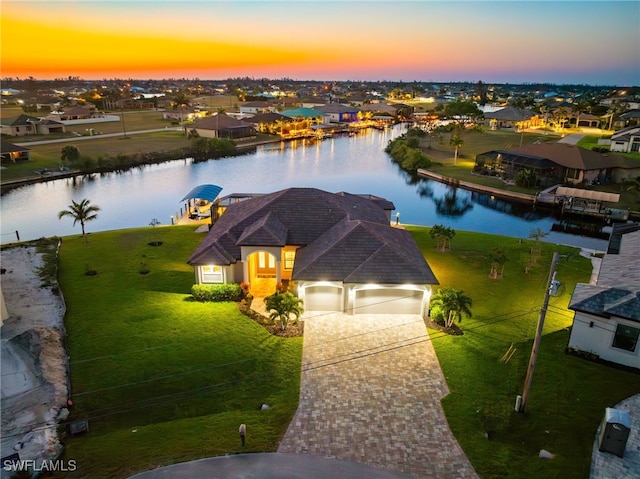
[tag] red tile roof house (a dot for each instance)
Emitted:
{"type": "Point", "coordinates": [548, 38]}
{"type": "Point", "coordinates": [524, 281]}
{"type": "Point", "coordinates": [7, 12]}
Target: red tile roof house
{"type": "Point", "coordinates": [338, 252]}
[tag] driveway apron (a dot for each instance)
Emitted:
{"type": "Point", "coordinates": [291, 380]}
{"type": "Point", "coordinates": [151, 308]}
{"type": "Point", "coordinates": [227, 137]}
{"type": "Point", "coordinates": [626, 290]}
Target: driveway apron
{"type": "Point", "coordinates": [370, 392]}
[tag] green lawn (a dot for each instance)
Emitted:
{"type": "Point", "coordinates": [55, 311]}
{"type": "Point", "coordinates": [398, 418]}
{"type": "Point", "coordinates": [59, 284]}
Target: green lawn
{"type": "Point", "coordinates": [161, 378]}
{"type": "Point", "coordinates": [568, 395]}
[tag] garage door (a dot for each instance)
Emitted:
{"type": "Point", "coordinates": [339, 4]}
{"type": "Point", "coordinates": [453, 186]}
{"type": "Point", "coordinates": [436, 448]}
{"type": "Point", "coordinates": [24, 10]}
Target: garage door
{"type": "Point", "coordinates": [388, 301]}
{"type": "Point", "coordinates": [323, 298]}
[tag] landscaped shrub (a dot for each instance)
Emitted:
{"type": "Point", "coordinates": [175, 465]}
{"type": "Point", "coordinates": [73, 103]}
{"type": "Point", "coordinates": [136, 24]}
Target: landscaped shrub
{"type": "Point", "coordinates": [217, 292]}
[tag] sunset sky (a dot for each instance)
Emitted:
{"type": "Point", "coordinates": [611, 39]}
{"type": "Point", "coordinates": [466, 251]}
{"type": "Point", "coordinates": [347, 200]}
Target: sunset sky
{"type": "Point", "coordinates": [593, 42]}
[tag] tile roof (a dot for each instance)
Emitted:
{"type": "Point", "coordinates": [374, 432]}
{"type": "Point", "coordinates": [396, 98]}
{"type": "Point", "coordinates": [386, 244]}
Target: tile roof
{"type": "Point", "coordinates": [19, 120]}
{"type": "Point", "coordinates": [342, 237]}
{"type": "Point", "coordinates": [617, 288]}
{"type": "Point", "coordinates": [219, 121]}
{"type": "Point", "coordinates": [572, 156]}
{"type": "Point", "coordinates": [362, 252]}
{"type": "Point", "coordinates": [510, 113]}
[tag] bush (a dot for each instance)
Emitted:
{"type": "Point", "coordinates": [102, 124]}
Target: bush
{"type": "Point", "coordinates": [217, 292]}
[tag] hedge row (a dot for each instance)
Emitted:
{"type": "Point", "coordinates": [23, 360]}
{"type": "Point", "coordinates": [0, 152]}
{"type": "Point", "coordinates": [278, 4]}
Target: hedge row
{"type": "Point", "coordinates": [217, 292]}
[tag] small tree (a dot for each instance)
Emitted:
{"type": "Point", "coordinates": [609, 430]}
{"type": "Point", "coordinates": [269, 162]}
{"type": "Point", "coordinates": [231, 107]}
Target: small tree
{"type": "Point", "coordinates": [449, 304]}
{"type": "Point", "coordinates": [81, 212]}
{"type": "Point", "coordinates": [281, 306]}
{"type": "Point", "coordinates": [498, 260]}
{"type": "Point", "coordinates": [443, 236]}
{"type": "Point", "coordinates": [69, 154]}
{"type": "Point", "coordinates": [536, 248]}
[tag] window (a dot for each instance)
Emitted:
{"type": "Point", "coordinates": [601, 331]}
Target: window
{"type": "Point", "coordinates": [289, 259]}
{"type": "Point", "coordinates": [212, 274]}
{"type": "Point", "coordinates": [626, 337]}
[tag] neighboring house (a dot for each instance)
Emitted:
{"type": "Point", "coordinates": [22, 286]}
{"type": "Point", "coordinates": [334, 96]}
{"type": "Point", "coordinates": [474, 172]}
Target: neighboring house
{"type": "Point", "coordinates": [74, 113]}
{"type": "Point", "coordinates": [631, 117]}
{"type": "Point", "coordinates": [255, 107]}
{"type": "Point", "coordinates": [11, 153]}
{"type": "Point", "coordinates": [380, 108]}
{"type": "Point", "coordinates": [555, 163]}
{"type": "Point", "coordinates": [272, 123]}
{"type": "Point", "coordinates": [511, 117]}
{"type": "Point", "coordinates": [182, 114]}
{"type": "Point", "coordinates": [626, 140]}
{"type": "Point", "coordinates": [223, 126]}
{"type": "Point", "coordinates": [310, 114]}
{"type": "Point", "coordinates": [339, 113]}
{"type": "Point", "coordinates": [606, 321]}
{"type": "Point", "coordinates": [23, 125]}
{"type": "Point", "coordinates": [340, 251]}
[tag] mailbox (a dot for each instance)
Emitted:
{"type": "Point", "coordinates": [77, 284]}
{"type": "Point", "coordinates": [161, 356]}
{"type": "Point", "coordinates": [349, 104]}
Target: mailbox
{"type": "Point", "coordinates": [614, 431]}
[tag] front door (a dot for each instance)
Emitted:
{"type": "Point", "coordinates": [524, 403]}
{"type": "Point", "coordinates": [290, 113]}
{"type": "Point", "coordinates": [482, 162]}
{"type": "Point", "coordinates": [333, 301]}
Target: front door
{"type": "Point", "coordinates": [266, 265]}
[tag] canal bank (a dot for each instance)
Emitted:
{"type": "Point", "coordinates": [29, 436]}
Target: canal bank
{"type": "Point", "coordinates": [504, 194]}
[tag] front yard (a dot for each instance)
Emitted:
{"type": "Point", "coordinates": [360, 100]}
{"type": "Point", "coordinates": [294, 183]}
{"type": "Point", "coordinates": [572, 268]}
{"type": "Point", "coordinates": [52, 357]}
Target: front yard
{"type": "Point", "coordinates": [164, 379]}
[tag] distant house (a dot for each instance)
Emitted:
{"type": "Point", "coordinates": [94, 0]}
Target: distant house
{"type": "Point", "coordinates": [626, 140]}
{"type": "Point", "coordinates": [307, 114]}
{"type": "Point", "coordinates": [606, 319]}
{"type": "Point", "coordinates": [182, 114]}
{"type": "Point", "coordinates": [255, 107]}
{"type": "Point", "coordinates": [74, 113]}
{"type": "Point", "coordinates": [272, 123]}
{"type": "Point", "coordinates": [511, 117]}
{"type": "Point", "coordinates": [631, 117]}
{"type": "Point", "coordinates": [23, 125]}
{"type": "Point", "coordinates": [11, 153]}
{"type": "Point", "coordinates": [223, 126]}
{"type": "Point", "coordinates": [338, 248]}
{"type": "Point", "coordinates": [554, 163]}
{"type": "Point", "coordinates": [339, 113]}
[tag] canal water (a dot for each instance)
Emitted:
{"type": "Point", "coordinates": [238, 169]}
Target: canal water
{"type": "Point", "coordinates": [355, 164]}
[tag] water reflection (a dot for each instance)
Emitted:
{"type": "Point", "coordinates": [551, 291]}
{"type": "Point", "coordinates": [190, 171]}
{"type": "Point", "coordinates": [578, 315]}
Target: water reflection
{"type": "Point", "coordinates": [357, 164]}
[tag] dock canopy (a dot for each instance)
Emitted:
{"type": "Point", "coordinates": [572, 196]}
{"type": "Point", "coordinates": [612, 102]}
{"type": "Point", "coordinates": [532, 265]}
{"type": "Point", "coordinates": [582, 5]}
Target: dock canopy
{"type": "Point", "coordinates": [203, 192]}
{"type": "Point", "coordinates": [588, 194]}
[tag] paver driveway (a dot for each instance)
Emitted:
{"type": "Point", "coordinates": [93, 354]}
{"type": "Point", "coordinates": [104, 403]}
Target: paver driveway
{"type": "Point", "coordinates": [370, 392]}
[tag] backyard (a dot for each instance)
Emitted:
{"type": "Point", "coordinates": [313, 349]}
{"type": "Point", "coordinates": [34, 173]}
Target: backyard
{"type": "Point", "coordinates": [164, 379]}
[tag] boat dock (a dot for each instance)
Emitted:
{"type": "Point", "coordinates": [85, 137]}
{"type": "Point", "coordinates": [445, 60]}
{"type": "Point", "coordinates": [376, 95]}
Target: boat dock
{"type": "Point", "coordinates": [497, 192]}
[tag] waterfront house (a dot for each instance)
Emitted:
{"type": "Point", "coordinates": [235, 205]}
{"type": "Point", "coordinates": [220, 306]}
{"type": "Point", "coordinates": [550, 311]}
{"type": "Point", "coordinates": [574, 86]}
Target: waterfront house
{"type": "Point", "coordinates": [337, 251]}
{"type": "Point", "coordinates": [606, 323]}
{"type": "Point", "coordinates": [339, 113]}
{"type": "Point", "coordinates": [223, 126]}
{"type": "Point", "coordinates": [554, 163]}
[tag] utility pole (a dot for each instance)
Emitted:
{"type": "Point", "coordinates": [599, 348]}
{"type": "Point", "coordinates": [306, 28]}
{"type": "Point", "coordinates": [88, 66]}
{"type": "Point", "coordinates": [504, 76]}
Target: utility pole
{"type": "Point", "coordinates": [538, 338]}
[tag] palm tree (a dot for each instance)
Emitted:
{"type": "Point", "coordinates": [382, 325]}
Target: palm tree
{"type": "Point", "coordinates": [456, 141]}
{"type": "Point", "coordinates": [281, 306]}
{"type": "Point", "coordinates": [581, 106]}
{"type": "Point", "coordinates": [450, 304]}
{"type": "Point", "coordinates": [81, 212]}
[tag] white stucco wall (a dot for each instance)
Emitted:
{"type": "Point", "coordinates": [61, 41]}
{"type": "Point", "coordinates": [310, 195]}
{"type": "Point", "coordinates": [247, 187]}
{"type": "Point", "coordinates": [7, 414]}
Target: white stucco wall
{"type": "Point", "coordinates": [598, 339]}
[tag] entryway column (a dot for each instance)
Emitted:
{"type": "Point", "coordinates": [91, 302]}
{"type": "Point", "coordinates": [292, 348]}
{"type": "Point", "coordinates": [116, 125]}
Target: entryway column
{"type": "Point", "coordinates": [245, 270]}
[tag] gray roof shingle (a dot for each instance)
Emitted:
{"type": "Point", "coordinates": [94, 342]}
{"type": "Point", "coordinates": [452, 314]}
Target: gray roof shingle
{"type": "Point", "coordinates": [341, 237]}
